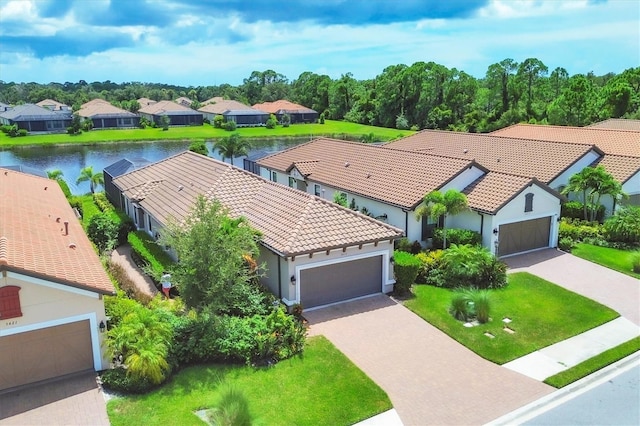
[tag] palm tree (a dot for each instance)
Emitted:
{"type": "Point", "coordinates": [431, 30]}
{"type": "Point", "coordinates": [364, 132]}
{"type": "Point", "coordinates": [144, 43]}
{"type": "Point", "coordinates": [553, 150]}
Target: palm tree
{"type": "Point", "coordinates": [55, 174]}
{"type": "Point", "coordinates": [593, 183]}
{"type": "Point", "coordinates": [232, 146]}
{"type": "Point", "coordinates": [437, 204]}
{"type": "Point", "coordinates": [581, 183]}
{"type": "Point", "coordinates": [94, 179]}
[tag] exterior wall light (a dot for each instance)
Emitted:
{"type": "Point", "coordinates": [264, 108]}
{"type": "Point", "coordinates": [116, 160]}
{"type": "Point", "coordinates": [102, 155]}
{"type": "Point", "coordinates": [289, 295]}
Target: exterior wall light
{"type": "Point", "coordinates": [495, 231]}
{"type": "Point", "coordinates": [293, 279]}
{"type": "Point", "coordinates": [102, 327]}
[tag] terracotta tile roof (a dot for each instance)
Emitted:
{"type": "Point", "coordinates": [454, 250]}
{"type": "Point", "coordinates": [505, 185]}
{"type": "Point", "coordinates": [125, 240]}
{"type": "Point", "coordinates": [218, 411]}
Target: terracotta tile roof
{"type": "Point", "coordinates": [617, 124]}
{"type": "Point", "coordinates": [621, 168]}
{"type": "Point", "coordinates": [610, 141]}
{"type": "Point", "coordinates": [213, 100]}
{"type": "Point", "coordinates": [392, 176]}
{"type": "Point", "coordinates": [51, 104]}
{"type": "Point", "coordinates": [304, 167]}
{"type": "Point", "coordinates": [292, 222]}
{"type": "Point", "coordinates": [163, 107]}
{"type": "Point", "coordinates": [490, 192]}
{"type": "Point", "coordinates": [530, 158]}
{"type": "Point", "coordinates": [183, 100]}
{"type": "Point", "coordinates": [223, 105]}
{"type": "Point", "coordinates": [146, 101]}
{"type": "Point", "coordinates": [282, 106]}
{"type": "Point", "coordinates": [32, 235]}
{"type": "Point", "coordinates": [100, 107]}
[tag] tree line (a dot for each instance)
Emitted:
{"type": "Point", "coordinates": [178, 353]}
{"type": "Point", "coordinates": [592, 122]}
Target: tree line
{"type": "Point", "coordinates": [424, 95]}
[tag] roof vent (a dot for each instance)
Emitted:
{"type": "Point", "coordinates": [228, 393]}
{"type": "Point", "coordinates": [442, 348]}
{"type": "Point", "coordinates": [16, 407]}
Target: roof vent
{"type": "Point", "coordinates": [45, 188]}
{"type": "Point", "coordinates": [72, 245]}
{"type": "Point", "coordinates": [368, 175]}
{"type": "Point", "coordinates": [498, 160]}
{"type": "Point", "coordinates": [346, 164]}
{"type": "Point", "coordinates": [465, 151]}
{"type": "Point", "coordinates": [180, 187]}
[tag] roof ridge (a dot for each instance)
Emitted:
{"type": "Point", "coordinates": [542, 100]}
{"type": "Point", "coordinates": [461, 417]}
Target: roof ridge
{"type": "Point", "coordinates": [4, 250]}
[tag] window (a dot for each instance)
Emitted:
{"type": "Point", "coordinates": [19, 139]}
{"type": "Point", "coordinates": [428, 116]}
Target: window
{"type": "Point", "coordinates": [57, 124]}
{"type": "Point", "coordinates": [528, 202]}
{"type": "Point", "coordinates": [316, 190]}
{"type": "Point", "coordinates": [125, 122]}
{"type": "Point", "coordinates": [10, 302]}
{"type": "Point", "coordinates": [292, 182]}
{"type": "Point", "coordinates": [274, 177]}
{"type": "Point", "coordinates": [428, 227]}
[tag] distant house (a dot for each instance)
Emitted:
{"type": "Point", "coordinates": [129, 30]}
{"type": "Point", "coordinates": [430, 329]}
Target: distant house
{"type": "Point", "coordinates": [213, 100]}
{"type": "Point", "coordinates": [106, 116]}
{"type": "Point", "coordinates": [116, 169]}
{"type": "Point", "coordinates": [243, 115]}
{"type": "Point", "coordinates": [34, 118]}
{"type": "Point", "coordinates": [184, 101]}
{"type": "Point", "coordinates": [179, 115]}
{"type": "Point", "coordinates": [52, 286]}
{"type": "Point", "coordinates": [617, 124]}
{"type": "Point", "coordinates": [4, 107]}
{"type": "Point", "coordinates": [146, 102]}
{"type": "Point", "coordinates": [298, 113]}
{"type": "Point", "coordinates": [53, 105]}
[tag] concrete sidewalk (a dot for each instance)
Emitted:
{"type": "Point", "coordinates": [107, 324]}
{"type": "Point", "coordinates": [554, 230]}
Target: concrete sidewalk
{"type": "Point", "coordinates": [558, 357]}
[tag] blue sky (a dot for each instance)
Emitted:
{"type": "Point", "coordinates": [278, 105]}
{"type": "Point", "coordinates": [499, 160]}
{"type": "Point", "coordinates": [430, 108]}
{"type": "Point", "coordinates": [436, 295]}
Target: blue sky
{"type": "Point", "coordinates": [210, 42]}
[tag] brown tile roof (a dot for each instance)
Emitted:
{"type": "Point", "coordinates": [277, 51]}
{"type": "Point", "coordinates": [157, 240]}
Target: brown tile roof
{"type": "Point", "coordinates": [99, 107]}
{"type": "Point", "coordinates": [610, 141]}
{"type": "Point", "coordinates": [57, 106]}
{"type": "Point", "coordinates": [222, 105]}
{"type": "Point", "coordinates": [162, 107]}
{"type": "Point", "coordinates": [146, 101]}
{"type": "Point", "coordinates": [621, 168]}
{"type": "Point", "coordinates": [292, 222]}
{"type": "Point", "coordinates": [392, 176]}
{"type": "Point", "coordinates": [213, 100]}
{"type": "Point", "coordinates": [617, 124]}
{"type": "Point", "coordinates": [183, 100]}
{"type": "Point", "coordinates": [282, 106]}
{"type": "Point", "coordinates": [490, 192]}
{"type": "Point", "coordinates": [32, 235]}
{"type": "Point", "coordinates": [530, 158]}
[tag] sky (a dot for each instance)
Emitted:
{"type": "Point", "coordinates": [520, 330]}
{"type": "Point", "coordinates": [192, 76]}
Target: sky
{"type": "Point", "coordinates": [212, 42]}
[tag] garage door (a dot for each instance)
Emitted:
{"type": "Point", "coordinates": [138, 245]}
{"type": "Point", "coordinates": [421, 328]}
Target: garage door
{"type": "Point", "coordinates": [46, 353]}
{"type": "Point", "coordinates": [340, 281]}
{"type": "Point", "coordinates": [522, 236]}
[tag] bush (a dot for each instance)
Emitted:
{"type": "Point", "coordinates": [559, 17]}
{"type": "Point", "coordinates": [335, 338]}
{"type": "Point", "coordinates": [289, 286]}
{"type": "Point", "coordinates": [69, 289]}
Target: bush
{"type": "Point", "coordinates": [199, 147]}
{"type": "Point", "coordinates": [471, 304]}
{"type": "Point", "coordinates": [321, 119]}
{"type": "Point", "coordinates": [580, 230]}
{"type": "Point", "coordinates": [403, 244]}
{"type": "Point", "coordinates": [229, 126]}
{"type": "Point", "coordinates": [460, 306]}
{"type": "Point", "coordinates": [406, 268]}
{"type": "Point", "coordinates": [65, 187]}
{"type": "Point", "coordinates": [481, 305]}
{"type": "Point", "coordinates": [76, 203]}
{"type": "Point", "coordinates": [126, 284]}
{"type": "Point", "coordinates": [624, 226]}
{"type": "Point", "coordinates": [100, 198]}
{"type": "Point", "coordinates": [566, 244]}
{"type": "Point", "coordinates": [103, 232]}
{"type": "Point", "coordinates": [218, 121]}
{"type": "Point", "coordinates": [429, 262]}
{"type": "Point", "coordinates": [575, 210]}
{"type": "Point", "coordinates": [635, 262]}
{"type": "Point", "coordinates": [271, 122]}
{"type": "Point", "coordinates": [470, 266]}
{"type": "Point", "coordinates": [5, 128]}
{"type": "Point", "coordinates": [456, 236]}
{"type": "Point", "coordinates": [286, 120]}
{"type": "Point", "coordinates": [151, 253]}
{"type": "Point", "coordinates": [118, 380]}
{"type": "Point", "coordinates": [22, 132]}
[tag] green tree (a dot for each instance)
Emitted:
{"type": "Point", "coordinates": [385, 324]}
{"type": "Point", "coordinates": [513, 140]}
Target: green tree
{"type": "Point", "coordinates": [340, 198]}
{"type": "Point", "coordinates": [232, 146]}
{"type": "Point", "coordinates": [94, 179]}
{"type": "Point", "coordinates": [199, 147]}
{"type": "Point", "coordinates": [592, 183]}
{"type": "Point", "coordinates": [76, 125]}
{"type": "Point", "coordinates": [165, 122]}
{"type": "Point", "coordinates": [213, 272]}
{"type": "Point", "coordinates": [55, 174]}
{"type": "Point", "coordinates": [436, 204]}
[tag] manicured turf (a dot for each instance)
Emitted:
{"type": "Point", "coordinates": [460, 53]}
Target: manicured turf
{"type": "Point", "coordinates": [541, 314]}
{"type": "Point", "coordinates": [618, 260]}
{"type": "Point", "coordinates": [331, 128]}
{"type": "Point", "coordinates": [321, 388]}
{"type": "Point", "coordinates": [594, 364]}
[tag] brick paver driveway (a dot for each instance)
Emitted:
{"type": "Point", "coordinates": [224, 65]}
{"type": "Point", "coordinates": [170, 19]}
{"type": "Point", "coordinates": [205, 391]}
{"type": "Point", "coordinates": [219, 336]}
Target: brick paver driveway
{"type": "Point", "coordinates": [430, 378]}
{"type": "Point", "coordinates": [611, 288]}
{"type": "Point", "coordinates": [72, 401]}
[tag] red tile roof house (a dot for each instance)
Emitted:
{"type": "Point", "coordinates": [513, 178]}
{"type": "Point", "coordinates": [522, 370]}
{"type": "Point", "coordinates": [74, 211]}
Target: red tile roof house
{"type": "Point", "coordinates": [106, 116]}
{"type": "Point", "coordinates": [243, 115]}
{"type": "Point", "coordinates": [620, 147]}
{"type": "Point", "coordinates": [298, 113]}
{"type": "Point", "coordinates": [513, 212]}
{"type": "Point", "coordinates": [52, 285]}
{"type": "Point", "coordinates": [36, 119]}
{"type": "Point", "coordinates": [180, 115]}
{"type": "Point", "coordinates": [315, 251]}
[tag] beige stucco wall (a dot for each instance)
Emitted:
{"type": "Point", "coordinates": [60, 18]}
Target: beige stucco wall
{"type": "Point", "coordinates": [46, 304]}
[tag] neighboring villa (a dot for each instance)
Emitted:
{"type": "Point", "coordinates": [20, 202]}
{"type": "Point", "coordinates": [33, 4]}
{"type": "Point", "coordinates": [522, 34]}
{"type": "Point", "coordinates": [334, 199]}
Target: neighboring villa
{"type": "Point", "coordinates": [315, 251]}
{"type": "Point", "coordinates": [513, 213]}
{"type": "Point", "coordinates": [35, 118]}
{"type": "Point", "coordinates": [106, 116]}
{"type": "Point", "coordinates": [52, 105]}
{"type": "Point", "coordinates": [298, 113]}
{"type": "Point", "coordinates": [143, 102]}
{"type": "Point", "coordinates": [184, 101]}
{"type": "Point", "coordinates": [178, 114]}
{"type": "Point", "coordinates": [617, 124]}
{"type": "Point", "coordinates": [243, 115]}
{"type": "Point", "coordinates": [52, 285]}
{"type": "Point", "coordinates": [4, 107]}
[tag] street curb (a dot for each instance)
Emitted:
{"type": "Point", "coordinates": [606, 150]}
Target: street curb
{"type": "Point", "coordinates": [567, 393]}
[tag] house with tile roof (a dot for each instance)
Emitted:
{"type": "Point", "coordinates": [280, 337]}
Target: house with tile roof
{"type": "Point", "coordinates": [34, 118]}
{"type": "Point", "coordinates": [619, 148]}
{"type": "Point", "coordinates": [617, 124]}
{"type": "Point", "coordinates": [52, 105]}
{"type": "Point", "coordinates": [103, 115]}
{"type": "Point", "coordinates": [143, 102]}
{"type": "Point", "coordinates": [179, 115]}
{"type": "Point", "coordinates": [243, 115]}
{"type": "Point", "coordinates": [184, 101]}
{"type": "Point", "coordinates": [316, 252]}
{"type": "Point", "coordinates": [298, 113]}
{"type": "Point", "coordinates": [391, 183]}
{"type": "Point", "coordinates": [52, 285]}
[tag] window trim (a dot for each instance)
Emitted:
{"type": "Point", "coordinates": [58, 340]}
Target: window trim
{"type": "Point", "coordinates": [528, 202]}
{"type": "Point", "coordinates": [274, 176]}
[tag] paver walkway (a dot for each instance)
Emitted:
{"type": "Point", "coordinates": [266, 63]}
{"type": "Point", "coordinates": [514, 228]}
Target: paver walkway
{"type": "Point", "coordinates": [122, 257]}
{"type": "Point", "coordinates": [429, 377]}
{"type": "Point", "coordinates": [611, 288]}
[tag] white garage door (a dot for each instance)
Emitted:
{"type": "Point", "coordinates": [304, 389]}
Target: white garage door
{"type": "Point", "coordinates": [44, 354]}
{"type": "Point", "coordinates": [340, 281]}
{"type": "Point", "coordinates": [523, 236]}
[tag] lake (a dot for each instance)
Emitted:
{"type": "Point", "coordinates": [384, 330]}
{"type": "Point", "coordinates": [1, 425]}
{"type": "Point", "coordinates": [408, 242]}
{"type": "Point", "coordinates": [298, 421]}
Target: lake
{"type": "Point", "coordinates": [72, 158]}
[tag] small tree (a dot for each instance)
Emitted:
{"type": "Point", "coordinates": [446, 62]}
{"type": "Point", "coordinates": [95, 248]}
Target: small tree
{"type": "Point", "coordinates": [340, 198]}
{"type": "Point", "coordinates": [437, 204]}
{"type": "Point", "coordinates": [164, 122]}
{"type": "Point", "coordinates": [286, 120]}
{"type": "Point", "coordinates": [94, 179]}
{"type": "Point", "coordinates": [592, 183]}
{"type": "Point", "coordinates": [76, 125]}
{"type": "Point", "coordinates": [199, 147]}
{"type": "Point", "coordinates": [401, 122]}
{"type": "Point", "coordinates": [271, 122]}
{"type": "Point", "coordinates": [218, 120]}
{"type": "Point", "coordinates": [232, 146]}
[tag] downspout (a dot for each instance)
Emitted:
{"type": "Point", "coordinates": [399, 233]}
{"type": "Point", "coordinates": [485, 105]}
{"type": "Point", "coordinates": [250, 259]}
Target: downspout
{"type": "Point", "coordinates": [279, 279]}
{"type": "Point", "coordinates": [481, 223]}
{"type": "Point", "coordinates": [406, 223]}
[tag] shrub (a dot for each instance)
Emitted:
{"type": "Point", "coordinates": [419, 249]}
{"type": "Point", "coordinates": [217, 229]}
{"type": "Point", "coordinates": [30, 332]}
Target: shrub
{"type": "Point", "coordinates": [472, 266]}
{"type": "Point", "coordinates": [566, 244]}
{"type": "Point", "coordinates": [232, 409]}
{"type": "Point", "coordinates": [580, 230]}
{"type": "Point", "coordinates": [218, 121]}
{"type": "Point", "coordinates": [22, 132]}
{"type": "Point", "coordinates": [271, 122]}
{"type": "Point", "coordinates": [103, 232]}
{"type": "Point", "coordinates": [286, 120]}
{"type": "Point", "coordinates": [406, 268]}
{"type": "Point", "coordinates": [456, 236]}
{"type": "Point", "coordinates": [65, 187]}
{"type": "Point", "coordinates": [635, 262]}
{"type": "Point", "coordinates": [321, 119]}
{"type": "Point", "coordinates": [624, 226]}
{"type": "Point", "coordinates": [205, 120]}
{"type": "Point", "coordinates": [481, 305]}
{"type": "Point", "coordinates": [199, 147]}
{"type": "Point", "coordinates": [229, 126]}
{"type": "Point", "coordinates": [5, 128]}
{"type": "Point", "coordinates": [76, 203]}
{"type": "Point", "coordinates": [575, 210]}
{"type": "Point", "coordinates": [126, 284]}
{"type": "Point", "coordinates": [100, 198]}
{"type": "Point", "coordinates": [460, 306]}
{"type": "Point", "coordinates": [118, 380]}
{"type": "Point", "coordinates": [403, 244]}
{"type": "Point", "coordinates": [429, 262]}
{"type": "Point", "coordinates": [151, 253]}
{"type": "Point", "coordinates": [116, 307]}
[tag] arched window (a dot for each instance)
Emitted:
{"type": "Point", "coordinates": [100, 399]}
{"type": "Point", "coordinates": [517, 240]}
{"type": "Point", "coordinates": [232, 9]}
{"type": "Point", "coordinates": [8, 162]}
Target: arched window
{"type": "Point", "coordinates": [10, 302]}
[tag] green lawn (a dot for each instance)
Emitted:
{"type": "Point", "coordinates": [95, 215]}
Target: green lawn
{"type": "Point", "coordinates": [542, 313]}
{"type": "Point", "coordinates": [331, 128]}
{"type": "Point", "coordinates": [618, 260]}
{"type": "Point", "coordinates": [322, 387]}
{"type": "Point", "coordinates": [594, 364]}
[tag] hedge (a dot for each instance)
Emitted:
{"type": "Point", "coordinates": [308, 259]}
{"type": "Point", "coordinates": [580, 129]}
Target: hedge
{"type": "Point", "coordinates": [406, 267]}
{"type": "Point", "coordinates": [150, 252]}
{"type": "Point", "coordinates": [575, 210]}
{"type": "Point", "coordinates": [456, 236]}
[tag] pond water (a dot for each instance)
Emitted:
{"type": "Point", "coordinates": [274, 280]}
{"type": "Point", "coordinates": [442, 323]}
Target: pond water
{"type": "Point", "coordinates": [72, 158]}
